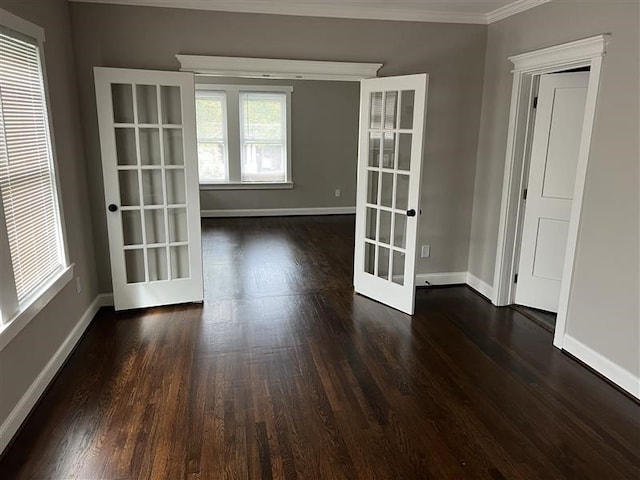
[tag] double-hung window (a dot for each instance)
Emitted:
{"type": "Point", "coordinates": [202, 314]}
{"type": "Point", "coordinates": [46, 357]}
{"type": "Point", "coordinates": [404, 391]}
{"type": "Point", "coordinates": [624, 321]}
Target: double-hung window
{"type": "Point", "coordinates": [244, 135]}
{"type": "Point", "coordinates": [32, 250]}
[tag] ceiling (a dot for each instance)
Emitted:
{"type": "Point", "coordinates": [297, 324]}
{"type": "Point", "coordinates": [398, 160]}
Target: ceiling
{"type": "Point", "coordinates": [450, 11]}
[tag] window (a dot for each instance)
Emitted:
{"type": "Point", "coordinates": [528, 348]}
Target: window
{"type": "Point", "coordinates": [213, 160]}
{"type": "Point", "coordinates": [31, 236]}
{"type": "Point", "coordinates": [243, 135]}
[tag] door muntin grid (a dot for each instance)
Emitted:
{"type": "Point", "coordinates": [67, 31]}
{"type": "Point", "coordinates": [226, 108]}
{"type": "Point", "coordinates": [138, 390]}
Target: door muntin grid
{"type": "Point", "coordinates": [148, 130]}
{"type": "Point", "coordinates": [389, 136]}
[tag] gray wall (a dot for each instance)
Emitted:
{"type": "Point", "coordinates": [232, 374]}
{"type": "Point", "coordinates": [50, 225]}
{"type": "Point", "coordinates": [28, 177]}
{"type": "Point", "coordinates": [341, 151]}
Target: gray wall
{"type": "Point", "coordinates": [29, 352]}
{"type": "Point", "coordinates": [603, 307]}
{"type": "Point", "coordinates": [324, 149]}
{"type": "Point", "coordinates": [139, 37]}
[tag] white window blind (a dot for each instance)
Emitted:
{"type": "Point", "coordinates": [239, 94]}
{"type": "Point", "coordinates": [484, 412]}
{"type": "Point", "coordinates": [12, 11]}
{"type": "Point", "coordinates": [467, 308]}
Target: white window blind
{"type": "Point", "coordinates": [263, 138]}
{"type": "Point", "coordinates": [211, 120]}
{"type": "Point", "coordinates": [27, 180]}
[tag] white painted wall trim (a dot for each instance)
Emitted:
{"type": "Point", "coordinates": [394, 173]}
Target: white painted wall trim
{"type": "Point", "coordinates": [512, 9]}
{"type": "Point", "coordinates": [614, 372]}
{"type": "Point", "coordinates": [278, 212]}
{"type": "Point", "coordinates": [586, 52]}
{"type": "Point", "coordinates": [22, 409]}
{"type": "Point", "coordinates": [479, 286]}
{"type": "Point", "coordinates": [564, 55]}
{"type": "Point", "coordinates": [34, 304]}
{"type": "Point", "coordinates": [334, 9]}
{"type": "Point", "coordinates": [21, 25]}
{"type": "Point", "coordinates": [444, 278]}
{"type": "Point", "coordinates": [277, 68]}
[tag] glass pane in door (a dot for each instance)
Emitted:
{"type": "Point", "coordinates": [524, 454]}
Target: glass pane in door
{"type": "Point", "coordinates": [134, 265]}
{"type": "Point", "coordinates": [126, 146]}
{"type": "Point", "coordinates": [407, 99]}
{"type": "Point", "coordinates": [150, 146]}
{"type": "Point", "coordinates": [152, 194]}
{"type": "Point", "coordinates": [122, 99]}
{"type": "Point", "coordinates": [390, 110]}
{"type": "Point", "coordinates": [383, 262]}
{"type": "Point", "coordinates": [129, 188]}
{"type": "Point", "coordinates": [147, 103]}
{"type": "Point", "coordinates": [171, 105]}
{"type": "Point", "coordinates": [157, 259]}
{"type": "Point", "coordinates": [154, 225]}
{"type": "Point", "coordinates": [178, 231]}
{"type": "Point", "coordinates": [375, 113]}
{"type": "Point", "coordinates": [131, 227]}
{"type": "Point", "coordinates": [398, 267]}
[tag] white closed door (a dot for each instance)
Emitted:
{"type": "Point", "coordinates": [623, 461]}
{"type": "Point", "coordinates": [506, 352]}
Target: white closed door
{"type": "Point", "coordinates": [392, 116]}
{"type": "Point", "coordinates": [554, 157]}
{"type": "Point", "coordinates": [150, 170]}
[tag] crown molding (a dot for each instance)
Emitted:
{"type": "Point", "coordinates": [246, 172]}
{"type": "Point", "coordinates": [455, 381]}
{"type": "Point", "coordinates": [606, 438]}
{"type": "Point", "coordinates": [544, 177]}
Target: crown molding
{"type": "Point", "coordinates": [277, 68]}
{"type": "Point", "coordinates": [512, 9]}
{"type": "Point", "coordinates": [387, 12]}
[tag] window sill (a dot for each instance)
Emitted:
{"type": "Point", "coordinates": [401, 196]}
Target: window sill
{"type": "Point", "coordinates": [247, 186]}
{"type": "Point", "coordinates": [34, 305]}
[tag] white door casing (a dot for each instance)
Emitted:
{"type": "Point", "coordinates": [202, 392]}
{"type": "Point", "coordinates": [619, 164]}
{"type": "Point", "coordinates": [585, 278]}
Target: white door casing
{"type": "Point", "coordinates": [150, 171]}
{"type": "Point", "coordinates": [390, 150]}
{"type": "Point", "coordinates": [552, 172]}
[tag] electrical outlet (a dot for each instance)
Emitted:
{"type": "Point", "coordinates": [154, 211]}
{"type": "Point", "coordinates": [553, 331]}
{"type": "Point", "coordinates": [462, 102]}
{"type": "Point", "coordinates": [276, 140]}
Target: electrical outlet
{"type": "Point", "coordinates": [338, 192]}
{"type": "Point", "coordinates": [426, 251]}
{"type": "Point", "coordinates": [78, 285]}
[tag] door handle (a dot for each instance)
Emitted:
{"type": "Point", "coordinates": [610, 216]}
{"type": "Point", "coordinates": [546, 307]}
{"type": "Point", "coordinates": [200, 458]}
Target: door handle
{"type": "Point", "coordinates": [411, 213]}
{"type": "Point", "coordinates": [112, 207]}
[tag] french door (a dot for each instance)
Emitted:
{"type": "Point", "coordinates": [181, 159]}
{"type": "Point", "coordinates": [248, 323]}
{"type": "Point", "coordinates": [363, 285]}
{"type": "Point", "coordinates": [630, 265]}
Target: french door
{"type": "Point", "coordinates": [392, 116]}
{"type": "Point", "coordinates": [150, 171]}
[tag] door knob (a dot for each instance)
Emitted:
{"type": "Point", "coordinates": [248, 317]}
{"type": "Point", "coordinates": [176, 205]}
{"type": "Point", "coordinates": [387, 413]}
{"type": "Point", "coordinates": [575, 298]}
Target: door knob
{"type": "Point", "coordinates": [113, 207]}
{"type": "Point", "coordinates": [411, 213]}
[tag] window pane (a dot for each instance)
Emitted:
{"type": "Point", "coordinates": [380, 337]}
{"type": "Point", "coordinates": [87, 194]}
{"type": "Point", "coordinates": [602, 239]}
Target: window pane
{"type": "Point", "coordinates": [262, 116]}
{"type": "Point", "coordinates": [263, 163]}
{"type": "Point", "coordinates": [212, 162]}
{"type": "Point", "coordinates": [263, 137]}
{"type": "Point", "coordinates": [211, 120]}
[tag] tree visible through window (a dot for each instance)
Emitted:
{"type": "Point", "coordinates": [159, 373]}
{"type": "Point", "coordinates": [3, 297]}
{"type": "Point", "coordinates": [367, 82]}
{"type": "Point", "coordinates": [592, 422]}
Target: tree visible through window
{"type": "Point", "coordinates": [263, 133]}
{"type": "Point", "coordinates": [211, 116]}
{"type": "Point", "coordinates": [243, 134]}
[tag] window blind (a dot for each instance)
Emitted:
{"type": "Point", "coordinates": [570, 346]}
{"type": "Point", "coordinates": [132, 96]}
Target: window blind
{"type": "Point", "coordinates": [263, 136]}
{"type": "Point", "coordinates": [27, 181]}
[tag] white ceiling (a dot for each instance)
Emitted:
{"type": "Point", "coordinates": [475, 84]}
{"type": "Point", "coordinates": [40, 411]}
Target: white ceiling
{"type": "Point", "coordinates": [450, 11]}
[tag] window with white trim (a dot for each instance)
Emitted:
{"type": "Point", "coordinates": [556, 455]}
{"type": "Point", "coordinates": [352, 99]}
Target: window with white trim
{"type": "Point", "coordinates": [244, 134]}
{"type": "Point", "coordinates": [31, 236]}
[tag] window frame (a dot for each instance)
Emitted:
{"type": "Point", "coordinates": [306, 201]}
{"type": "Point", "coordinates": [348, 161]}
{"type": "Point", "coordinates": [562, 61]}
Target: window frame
{"type": "Point", "coordinates": [14, 315]}
{"type": "Point", "coordinates": [234, 155]}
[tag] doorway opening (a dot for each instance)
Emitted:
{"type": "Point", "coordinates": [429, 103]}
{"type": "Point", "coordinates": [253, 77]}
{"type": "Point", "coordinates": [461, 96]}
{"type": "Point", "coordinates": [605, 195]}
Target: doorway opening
{"type": "Point", "coordinates": [553, 132]}
{"type": "Point", "coordinates": [528, 70]}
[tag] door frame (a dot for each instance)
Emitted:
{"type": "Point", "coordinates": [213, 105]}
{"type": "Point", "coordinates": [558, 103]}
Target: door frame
{"type": "Point", "coordinates": [528, 67]}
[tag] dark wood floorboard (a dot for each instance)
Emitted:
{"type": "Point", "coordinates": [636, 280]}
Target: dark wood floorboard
{"type": "Point", "coordinates": [285, 373]}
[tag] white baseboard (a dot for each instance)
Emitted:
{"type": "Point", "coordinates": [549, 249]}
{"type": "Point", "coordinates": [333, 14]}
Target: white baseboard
{"type": "Point", "coordinates": [614, 372]}
{"type": "Point", "coordinates": [278, 212]}
{"type": "Point", "coordinates": [479, 286]}
{"type": "Point", "coordinates": [22, 409]}
{"type": "Point", "coordinates": [445, 278]}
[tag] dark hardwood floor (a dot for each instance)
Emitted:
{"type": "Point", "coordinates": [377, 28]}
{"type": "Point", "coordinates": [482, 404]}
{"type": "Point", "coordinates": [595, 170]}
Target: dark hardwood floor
{"type": "Point", "coordinates": [285, 373]}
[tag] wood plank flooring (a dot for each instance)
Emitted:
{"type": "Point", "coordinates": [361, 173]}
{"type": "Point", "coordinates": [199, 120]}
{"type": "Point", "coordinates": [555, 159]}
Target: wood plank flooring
{"type": "Point", "coordinates": [284, 373]}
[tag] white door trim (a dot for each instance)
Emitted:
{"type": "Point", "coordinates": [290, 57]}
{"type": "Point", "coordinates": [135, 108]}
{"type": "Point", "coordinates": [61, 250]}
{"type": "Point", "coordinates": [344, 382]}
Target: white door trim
{"type": "Point", "coordinates": [527, 67]}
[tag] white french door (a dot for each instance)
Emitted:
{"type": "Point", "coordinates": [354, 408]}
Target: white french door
{"type": "Point", "coordinates": [552, 175]}
{"type": "Point", "coordinates": [150, 170]}
{"type": "Point", "coordinates": [392, 116]}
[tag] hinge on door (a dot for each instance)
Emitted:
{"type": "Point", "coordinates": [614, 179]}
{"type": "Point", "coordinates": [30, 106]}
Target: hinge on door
{"type": "Point", "coordinates": [535, 102]}
{"type": "Point", "coordinates": [524, 194]}
{"type": "Point", "coordinates": [515, 278]}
